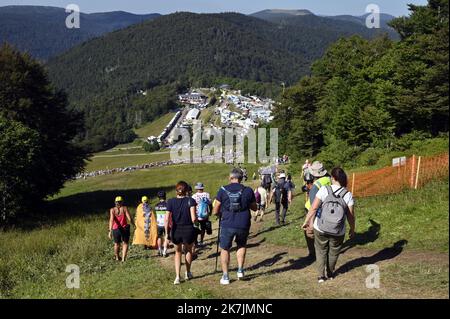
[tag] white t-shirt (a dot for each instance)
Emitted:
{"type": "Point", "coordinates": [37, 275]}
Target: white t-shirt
{"type": "Point", "coordinates": [262, 191]}
{"type": "Point", "coordinates": [323, 193]}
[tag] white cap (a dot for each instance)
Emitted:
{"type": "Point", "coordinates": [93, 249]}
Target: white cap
{"type": "Point", "coordinates": [282, 175]}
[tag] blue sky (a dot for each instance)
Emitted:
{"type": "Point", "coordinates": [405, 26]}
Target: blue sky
{"type": "Point", "coordinates": [322, 7]}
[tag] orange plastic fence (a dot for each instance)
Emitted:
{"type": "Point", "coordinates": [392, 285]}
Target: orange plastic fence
{"type": "Point", "coordinates": [414, 173]}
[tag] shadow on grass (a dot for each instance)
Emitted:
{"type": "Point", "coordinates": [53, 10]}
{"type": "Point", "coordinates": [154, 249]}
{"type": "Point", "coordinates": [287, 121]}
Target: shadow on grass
{"type": "Point", "coordinates": [292, 264]}
{"type": "Point", "coordinates": [361, 239]}
{"type": "Point", "coordinates": [267, 230]}
{"type": "Point", "coordinates": [384, 254]}
{"type": "Point", "coordinates": [85, 204]}
{"type": "Point", "coordinates": [268, 262]}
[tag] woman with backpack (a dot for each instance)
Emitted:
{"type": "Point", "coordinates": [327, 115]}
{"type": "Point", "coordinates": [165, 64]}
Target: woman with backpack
{"type": "Point", "coordinates": [181, 211]}
{"type": "Point", "coordinates": [337, 206]}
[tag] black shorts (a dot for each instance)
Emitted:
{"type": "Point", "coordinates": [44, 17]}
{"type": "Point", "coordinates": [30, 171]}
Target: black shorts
{"type": "Point", "coordinates": [161, 231]}
{"type": "Point", "coordinates": [183, 234]}
{"type": "Point", "coordinates": [202, 224]}
{"type": "Point", "coordinates": [228, 234]}
{"type": "Point", "coordinates": [121, 235]}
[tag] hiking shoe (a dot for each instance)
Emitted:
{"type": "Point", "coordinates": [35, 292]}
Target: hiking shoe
{"type": "Point", "coordinates": [177, 281]}
{"type": "Point", "coordinates": [240, 274]}
{"type": "Point", "coordinates": [321, 279]}
{"type": "Point", "coordinates": [188, 275]}
{"type": "Point", "coordinates": [224, 280]}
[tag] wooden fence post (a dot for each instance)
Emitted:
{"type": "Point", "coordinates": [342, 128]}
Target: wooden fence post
{"type": "Point", "coordinates": [413, 170]}
{"type": "Point", "coordinates": [417, 174]}
{"type": "Point", "coordinates": [353, 184]}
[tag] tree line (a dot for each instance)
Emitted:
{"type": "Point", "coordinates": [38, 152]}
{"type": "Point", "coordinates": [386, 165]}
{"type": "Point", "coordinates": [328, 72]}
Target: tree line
{"type": "Point", "coordinates": [364, 95]}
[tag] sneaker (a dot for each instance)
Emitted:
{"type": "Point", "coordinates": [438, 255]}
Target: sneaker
{"type": "Point", "coordinates": [225, 280]}
{"type": "Point", "coordinates": [200, 244]}
{"type": "Point", "coordinates": [188, 275]}
{"type": "Point", "coordinates": [240, 274]}
{"type": "Point", "coordinates": [177, 281]}
{"type": "Point", "coordinates": [159, 253]}
{"type": "Point", "coordinates": [321, 279]}
{"type": "Point", "coordinates": [164, 254]}
{"type": "Point", "coordinates": [331, 276]}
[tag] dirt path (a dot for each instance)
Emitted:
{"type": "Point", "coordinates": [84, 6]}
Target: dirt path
{"type": "Point", "coordinates": [284, 272]}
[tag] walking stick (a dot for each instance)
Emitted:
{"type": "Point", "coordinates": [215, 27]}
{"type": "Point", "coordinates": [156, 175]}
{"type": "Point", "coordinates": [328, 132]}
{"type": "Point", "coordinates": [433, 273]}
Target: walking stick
{"type": "Point", "coordinates": [218, 241]}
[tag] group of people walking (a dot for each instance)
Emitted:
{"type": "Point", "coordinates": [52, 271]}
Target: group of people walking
{"type": "Point", "coordinates": [185, 219]}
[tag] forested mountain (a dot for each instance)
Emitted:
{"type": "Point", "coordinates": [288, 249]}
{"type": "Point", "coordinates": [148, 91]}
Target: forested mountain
{"type": "Point", "coordinates": [181, 50]}
{"type": "Point", "coordinates": [365, 97]}
{"type": "Point", "coordinates": [271, 14]}
{"type": "Point", "coordinates": [42, 31]}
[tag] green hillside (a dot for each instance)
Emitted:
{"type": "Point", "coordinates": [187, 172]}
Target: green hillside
{"type": "Point", "coordinates": [154, 128]}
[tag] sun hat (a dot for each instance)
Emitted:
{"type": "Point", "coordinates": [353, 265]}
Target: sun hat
{"type": "Point", "coordinates": [317, 169]}
{"type": "Point", "coordinates": [199, 186]}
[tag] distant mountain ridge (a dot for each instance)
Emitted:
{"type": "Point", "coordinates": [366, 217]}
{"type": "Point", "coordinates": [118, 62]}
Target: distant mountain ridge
{"type": "Point", "coordinates": [384, 19]}
{"type": "Point", "coordinates": [42, 32]}
{"type": "Point", "coordinates": [284, 12]}
{"type": "Point", "coordinates": [307, 20]}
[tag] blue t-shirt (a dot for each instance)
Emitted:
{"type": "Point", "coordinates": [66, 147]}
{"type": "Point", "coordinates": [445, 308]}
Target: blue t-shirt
{"type": "Point", "coordinates": [181, 210]}
{"type": "Point", "coordinates": [240, 220]}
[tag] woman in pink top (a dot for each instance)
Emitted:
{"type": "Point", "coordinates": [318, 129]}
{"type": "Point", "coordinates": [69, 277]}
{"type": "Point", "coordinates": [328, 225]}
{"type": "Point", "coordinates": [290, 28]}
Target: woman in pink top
{"type": "Point", "coordinates": [119, 229]}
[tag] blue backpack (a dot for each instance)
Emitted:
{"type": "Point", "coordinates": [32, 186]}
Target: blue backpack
{"type": "Point", "coordinates": [203, 208]}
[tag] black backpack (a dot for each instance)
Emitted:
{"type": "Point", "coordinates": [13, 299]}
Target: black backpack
{"type": "Point", "coordinates": [267, 180]}
{"type": "Point", "coordinates": [235, 199]}
{"type": "Point", "coordinates": [280, 192]}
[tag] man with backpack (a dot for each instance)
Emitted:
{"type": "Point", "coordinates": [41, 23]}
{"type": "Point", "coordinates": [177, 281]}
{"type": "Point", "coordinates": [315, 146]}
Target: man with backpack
{"type": "Point", "coordinates": [261, 197]}
{"type": "Point", "coordinates": [282, 193]}
{"type": "Point", "coordinates": [204, 208]}
{"type": "Point", "coordinates": [234, 203]}
{"type": "Point", "coordinates": [336, 204]}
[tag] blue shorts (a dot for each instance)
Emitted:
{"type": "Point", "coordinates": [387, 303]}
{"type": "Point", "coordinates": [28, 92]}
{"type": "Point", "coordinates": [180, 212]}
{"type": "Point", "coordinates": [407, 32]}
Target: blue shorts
{"type": "Point", "coordinates": [228, 234]}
